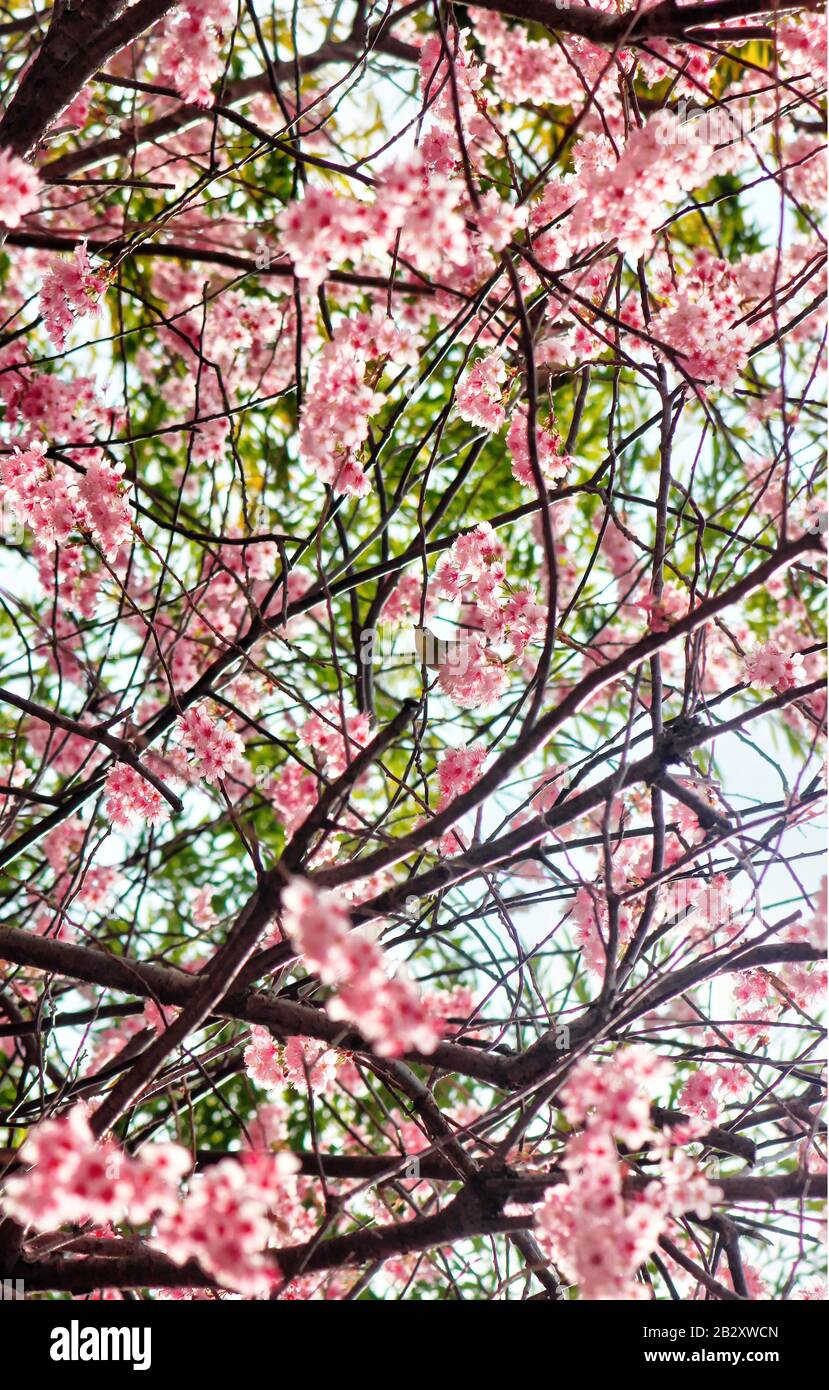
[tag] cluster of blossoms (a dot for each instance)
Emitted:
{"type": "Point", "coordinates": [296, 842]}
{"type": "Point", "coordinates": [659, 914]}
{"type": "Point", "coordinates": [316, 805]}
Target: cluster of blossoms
{"type": "Point", "coordinates": [333, 737]}
{"type": "Point", "coordinates": [413, 204]}
{"type": "Point", "coordinates": [701, 318]}
{"type": "Point", "coordinates": [53, 501]}
{"type": "Point", "coordinates": [334, 742]}
{"type": "Point", "coordinates": [19, 189]}
{"type": "Point", "coordinates": [497, 615]}
{"type": "Point", "coordinates": [72, 1178]}
{"type": "Point", "coordinates": [708, 1089]}
{"type": "Point", "coordinates": [292, 792]}
{"type": "Point", "coordinates": [62, 849]}
{"type": "Point", "coordinates": [218, 750]}
{"type": "Point", "coordinates": [225, 1220]}
{"type": "Point", "coordinates": [458, 770]}
{"type": "Point", "coordinates": [590, 916]}
{"type": "Point", "coordinates": [386, 1009]}
{"type": "Point", "coordinates": [340, 403]}
{"type": "Point", "coordinates": [480, 394]}
{"type": "Point", "coordinates": [553, 462]}
{"type": "Point", "coordinates": [70, 290]}
{"type": "Point", "coordinates": [625, 197]}
{"type": "Point", "coordinates": [420, 208]}
{"type": "Point", "coordinates": [665, 609]}
{"type": "Point", "coordinates": [533, 70]}
{"type": "Point", "coordinates": [404, 602]}
{"type": "Point", "coordinates": [598, 1233]}
{"type": "Point", "coordinates": [303, 1062]}
{"type": "Point", "coordinates": [129, 797]}
{"type": "Point", "coordinates": [771, 667]}
{"type": "Point", "coordinates": [191, 61]}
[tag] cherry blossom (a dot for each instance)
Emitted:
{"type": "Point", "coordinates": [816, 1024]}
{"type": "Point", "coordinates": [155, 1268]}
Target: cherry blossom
{"type": "Point", "coordinates": [772, 667]}
{"type": "Point", "coordinates": [385, 1008]}
{"type": "Point", "coordinates": [19, 189]}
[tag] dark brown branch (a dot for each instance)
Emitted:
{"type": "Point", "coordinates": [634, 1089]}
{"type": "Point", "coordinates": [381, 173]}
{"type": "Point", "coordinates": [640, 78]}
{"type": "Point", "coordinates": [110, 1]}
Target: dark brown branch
{"type": "Point", "coordinates": [82, 36]}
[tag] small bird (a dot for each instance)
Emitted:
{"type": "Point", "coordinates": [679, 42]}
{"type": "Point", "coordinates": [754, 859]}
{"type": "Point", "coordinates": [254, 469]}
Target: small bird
{"type": "Point", "coordinates": [437, 653]}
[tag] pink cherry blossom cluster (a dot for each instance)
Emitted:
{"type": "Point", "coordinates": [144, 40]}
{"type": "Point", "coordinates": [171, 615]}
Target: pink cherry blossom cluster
{"type": "Point", "coordinates": [302, 1062]}
{"type": "Point", "coordinates": [321, 230]}
{"type": "Point", "coordinates": [616, 1094]}
{"type": "Point", "coordinates": [386, 1009]}
{"type": "Point", "coordinates": [226, 1220]}
{"type": "Point", "coordinates": [104, 510]}
{"type": "Point", "coordinates": [472, 572]}
{"type": "Point", "coordinates": [19, 189]}
{"type": "Point", "coordinates": [218, 749]}
{"type": "Point", "coordinates": [478, 680]}
{"type": "Point", "coordinates": [770, 666]}
{"type": "Point", "coordinates": [455, 95]}
{"type": "Point", "coordinates": [458, 769]}
{"type": "Point", "coordinates": [617, 549]}
{"type": "Point", "coordinates": [707, 1090]}
{"type": "Point", "coordinates": [534, 70]}
{"type": "Point", "coordinates": [707, 345]}
{"type": "Point", "coordinates": [480, 394]}
{"type": "Point", "coordinates": [498, 221]}
{"type": "Point", "coordinates": [591, 919]}
{"type": "Point", "coordinates": [129, 797]}
{"type": "Point", "coordinates": [666, 608]}
{"type": "Point", "coordinates": [597, 1233]}
{"type": "Point", "coordinates": [191, 62]}
{"type": "Point", "coordinates": [340, 401]}
{"type": "Point", "coordinates": [71, 289]}
{"type": "Point", "coordinates": [412, 202]}
{"type": "Point", "coordinates": [404, 602]}
{"type": "Point", "coordinates": [74, 1178]}
{"type": "Point", "coordinates": [424, 208]}
{"type": "Point", "coordinates": [54, 501]}
{"type": "Point", "coordinates": [552, 461]}
{"type": "Point", "coordinates": [293, 792]}
{"type": "Point", "coordinates": [333, 742]}
{"type": "Point", "coordinates": [625, 198]}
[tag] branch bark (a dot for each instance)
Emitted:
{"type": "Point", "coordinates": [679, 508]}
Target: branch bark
{"type": "Point", "coordinates": [82, 36]}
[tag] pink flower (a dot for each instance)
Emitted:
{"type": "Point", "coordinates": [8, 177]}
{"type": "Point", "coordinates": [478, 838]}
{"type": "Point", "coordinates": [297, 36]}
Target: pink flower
{"type": "Point", "coordinates": [70, 290]}
{"type": "Point", "coordinates": [19, 189]}
{"type": "Point", "coordinates": [191, 61]}
{"type": "Point", "coordinates": [55, 501]}
{"type": "Point", "coordinates": [480, 394]}
{"type": "Point", "coordinates": [596, 1233]}
{"type": "Point", "coordinates": [226, 1220]}
{"type": "Point", "coordinates": [217, 748]}
{"type": "Point", "coordinates": [38, 493]}
{"type": "Point", "coordinates": [626, 199]}
{"type": "Point", "coordinates": [130, 797]}
{"type": "Point", "coordinates": [340, 402]}
{"type": "Point", "coordinates": [103, 508]}
{"type": "Point", "coordinates": [553, 463]}
{"type": "Point", "coordinates": [404, 602]}
{"type": "Point", "coordinates": [333, 744]}
{"type": "Point", "coordinates": [386, 1009]}
{"type": "Point", "coordinates": [292, 792]}
{"type": "Point", "coordinates": [201, 909]}
{"type": "Point", "coordinates": [458, 770]}
{"type": "Point", "coordinates": [671, 605]}
{"type": "Point", "coordinates": [497, 220]}
{"type": "Point", "coordinates": [770, 666]}
{"type": "Point", "coordinates": [74, 1178]}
